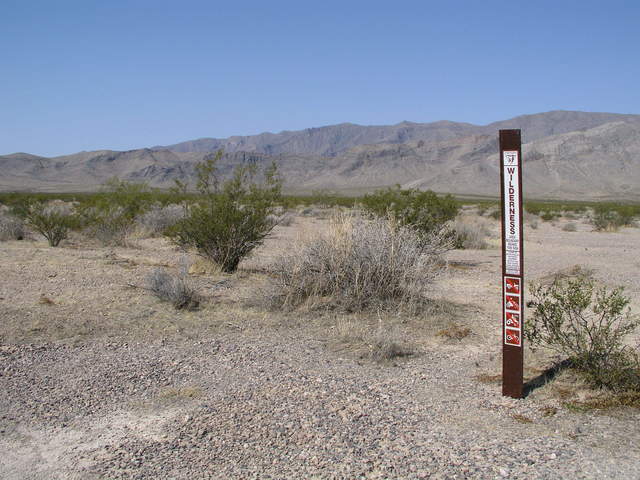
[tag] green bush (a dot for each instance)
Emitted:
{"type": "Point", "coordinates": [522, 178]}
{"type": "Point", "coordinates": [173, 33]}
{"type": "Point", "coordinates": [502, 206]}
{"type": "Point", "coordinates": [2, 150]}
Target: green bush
{"type": "Point", "coordinates": [230, 218]}
{"type": "Point", "coordinates": [608, 216]}
{"type": "Point", "coordinates": [588, 324]}
{"type": "Point", "coordinates": [52, 221]}
{"type": "Point", "coordinates": [424, 211]}
{"type": "Point", "coordinates": [109, 216]}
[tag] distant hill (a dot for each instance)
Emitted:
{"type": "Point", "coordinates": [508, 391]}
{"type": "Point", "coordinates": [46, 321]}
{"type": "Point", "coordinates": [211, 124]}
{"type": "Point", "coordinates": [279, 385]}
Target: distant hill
{"type": "Point", "coordinates": [333, 140]}
{"type": "Point", "coordinates": [568, 155]}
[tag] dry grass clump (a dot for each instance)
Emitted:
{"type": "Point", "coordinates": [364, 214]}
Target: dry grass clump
{"type": "Point", "coordinates": [173, 288]}
{"type": "Point", "coordinates": [471, 233]}
{"type": "Point", "coordinates": [386, 347]}
{"type": "Point", "coordinates": [455, 332]}
{"type": "Point", "coordinates": [381, 344]}
{"type": "Point", "coordinates": [358, 264]}
{"type": "Point", "coordinates": [570, 227]}
{"type": "Point", "coordinates": [488, 378]}
{"type": "Point", "coordinates": [11, 228]}
{"type": "Point", "coordinates": [157, 220]}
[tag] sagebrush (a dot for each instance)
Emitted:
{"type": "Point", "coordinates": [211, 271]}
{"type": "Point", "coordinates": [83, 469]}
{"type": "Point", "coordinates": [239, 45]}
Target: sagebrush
{"type": "Point", "coordinates": [158, 219]}
{"type": "Point", "coordinates": [173, 288]}
{"type": "Point", "coordinates": [11, 227]}
{"type": "Point", "coordinates": [358, 264]}
{"type": "Point", "coordinates": [470, 233]}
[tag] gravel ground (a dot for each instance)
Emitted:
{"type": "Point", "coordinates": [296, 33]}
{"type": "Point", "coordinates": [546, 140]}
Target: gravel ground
{"type": "Point", "coordinates": [273, 400]}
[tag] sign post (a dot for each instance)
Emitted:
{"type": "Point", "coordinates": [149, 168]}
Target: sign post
{"type": "Point", "coordinates": [512, 263]}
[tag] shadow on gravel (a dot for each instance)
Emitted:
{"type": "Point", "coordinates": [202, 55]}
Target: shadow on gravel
{"type": "Point", "coordinates": [545, 377]}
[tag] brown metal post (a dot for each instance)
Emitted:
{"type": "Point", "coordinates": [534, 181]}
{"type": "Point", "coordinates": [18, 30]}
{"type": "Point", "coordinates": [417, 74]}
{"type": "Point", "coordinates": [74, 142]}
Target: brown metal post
{"type": "Point", "coordinates": [512, 263]}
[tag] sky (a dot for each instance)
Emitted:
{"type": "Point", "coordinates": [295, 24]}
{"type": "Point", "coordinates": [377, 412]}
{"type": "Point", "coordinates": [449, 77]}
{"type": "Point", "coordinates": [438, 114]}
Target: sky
{"type": "Point", "coordinates": [89, 74]}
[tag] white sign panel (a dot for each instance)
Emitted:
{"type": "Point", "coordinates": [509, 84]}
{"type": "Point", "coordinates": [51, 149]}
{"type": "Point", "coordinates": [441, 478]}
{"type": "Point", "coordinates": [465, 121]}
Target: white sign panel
{"type": "Point", "coordinates": [511, 213]}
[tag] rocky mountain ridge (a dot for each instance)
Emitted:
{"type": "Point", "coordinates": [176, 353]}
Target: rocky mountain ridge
{"type": "Point", "coordinates": [600, 161]}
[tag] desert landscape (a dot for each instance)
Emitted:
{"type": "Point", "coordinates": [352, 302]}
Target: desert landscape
{"type": "Point", "coordinates": [102, 379]}
{"type": "Point", "coordinates": [345, 240]}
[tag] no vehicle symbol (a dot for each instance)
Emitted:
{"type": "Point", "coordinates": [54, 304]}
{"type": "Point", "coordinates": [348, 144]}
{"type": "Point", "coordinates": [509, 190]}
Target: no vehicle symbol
{"type": "Point", "coordinates": [512, 285]}
{"type": "Point", "coordinates": [512, 302]}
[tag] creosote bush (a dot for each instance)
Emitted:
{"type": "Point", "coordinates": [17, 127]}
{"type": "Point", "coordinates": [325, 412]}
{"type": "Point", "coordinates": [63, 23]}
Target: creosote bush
{"type": "Point", "coordinates": [588, 324]}
{"type": "Point", "coordinates": [173, 288]}
{"type": "Point", "coordinates": [230, 218]}
{"type": "Point", "coordinates": [424, 211]}
{"type": "Point", "coordinates": [359, 264]}
{"type": "Point", "coordinates": [53, 221]}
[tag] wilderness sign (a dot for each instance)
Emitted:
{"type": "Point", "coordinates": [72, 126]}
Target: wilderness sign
{"type": "Point", "coordinates": [512, 263]}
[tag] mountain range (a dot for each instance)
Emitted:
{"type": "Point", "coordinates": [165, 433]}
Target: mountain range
{"type": "Point", "coordinates": [567, 155]}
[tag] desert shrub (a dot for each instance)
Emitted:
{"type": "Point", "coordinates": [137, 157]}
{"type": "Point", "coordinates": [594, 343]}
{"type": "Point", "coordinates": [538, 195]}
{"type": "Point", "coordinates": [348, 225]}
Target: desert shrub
{"type": "Point", "coordinates": [386, 347]}
{"type": "Point", "coordinates": [424, 211]}
{"type": "Point", "coordinates": [610, 217]}
{"type": "Point", "coordinates": [231, 218]}
{"type": "Point", "coordinates": [588, 324]}
{"type": "Point", "coordinates": [173, 288]}
{"type": "Point", "coordinates": [11, 227]}
{"type": "Point", "coordinates": [548, 216]}
{"type": "Point", "coordinates": [132, 199]}
{"type": "Point", "coordinates": [110, 215]}
{"type": "Point", "coordinates": [158, 219]}
{"type": "Point", "coordinates": [470, 233]}
{"type": "Point", "coordinates": [570, 227]}
{"type": "Point", "coordinates": [53, 221]}
{"type": "Point", "coordinates": [358, 264]}
{"type": "Point", "coordinates": [495, 214]}
{"type": "Point", "coordinates": [110, 225]}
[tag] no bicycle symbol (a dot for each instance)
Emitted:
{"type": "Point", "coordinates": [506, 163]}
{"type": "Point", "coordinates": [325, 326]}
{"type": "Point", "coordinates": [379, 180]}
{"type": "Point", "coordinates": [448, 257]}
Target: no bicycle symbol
{"type": "Point", "coordinates": [512, 337]}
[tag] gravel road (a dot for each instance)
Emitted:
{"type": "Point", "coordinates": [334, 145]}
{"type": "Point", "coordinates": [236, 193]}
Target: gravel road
{"type": "Point", "coordinates": [283, 407]}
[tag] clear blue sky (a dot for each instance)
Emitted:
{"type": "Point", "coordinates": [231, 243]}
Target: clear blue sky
{"type": "Point", "coordinates": [89, 74]}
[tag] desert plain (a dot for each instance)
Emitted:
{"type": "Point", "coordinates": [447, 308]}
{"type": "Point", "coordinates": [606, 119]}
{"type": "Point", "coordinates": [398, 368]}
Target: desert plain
{"type": "Point", "coordinates": [100, 379]}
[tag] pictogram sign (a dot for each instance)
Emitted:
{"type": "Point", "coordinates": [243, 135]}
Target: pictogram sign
{"type": "Point", "coordinates": [512, 285]}
{"type": "Point", "coordinates": [512, 320]}
{"type": "Point", "coordinates": [512, 302]}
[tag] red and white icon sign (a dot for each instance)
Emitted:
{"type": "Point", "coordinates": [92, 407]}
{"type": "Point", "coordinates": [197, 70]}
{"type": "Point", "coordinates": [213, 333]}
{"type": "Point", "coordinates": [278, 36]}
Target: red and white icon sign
{"type": "Point", "coordinates": [512, 320]}
{"type": "Point", "coordinates": [512, 337]}
{"type": "Point", "coordinates": [512, 285]}
{"type": "Point", "coordinates": [511, 302]}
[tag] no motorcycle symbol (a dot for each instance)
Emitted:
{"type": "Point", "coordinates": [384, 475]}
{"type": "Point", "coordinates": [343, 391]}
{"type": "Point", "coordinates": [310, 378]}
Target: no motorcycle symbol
{"type": "Point", "coordinates": [512, 320]}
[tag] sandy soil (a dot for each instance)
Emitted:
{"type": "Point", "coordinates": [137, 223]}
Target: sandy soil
{"type": "Point", "coordinates": [99, 379]}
